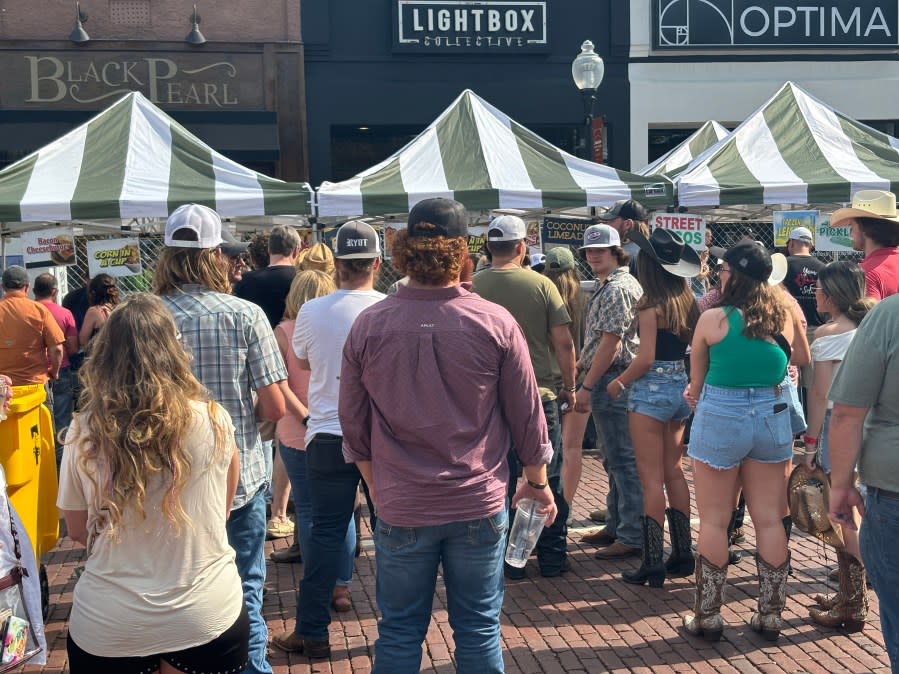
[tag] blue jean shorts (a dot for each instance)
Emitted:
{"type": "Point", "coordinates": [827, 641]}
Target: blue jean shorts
{"type": "Point", "coordinates": [733, 424]}
{"type": "Point", "coordinates": [660, 392]}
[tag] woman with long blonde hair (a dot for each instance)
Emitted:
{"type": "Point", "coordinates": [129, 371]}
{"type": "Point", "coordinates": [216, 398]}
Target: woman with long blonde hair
{"type": "Point", "coordinates": [149, 471]}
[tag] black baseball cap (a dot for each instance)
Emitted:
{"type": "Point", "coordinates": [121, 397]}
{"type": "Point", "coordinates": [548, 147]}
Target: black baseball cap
{"type": "Point", "coordinates": [751, 259]}
{"type": "Point", "coordinates": [447, 215]}
{"type": "Point", "coordinates": [627, 209]}
{"type": "Point", "coordinates": [357, 240]}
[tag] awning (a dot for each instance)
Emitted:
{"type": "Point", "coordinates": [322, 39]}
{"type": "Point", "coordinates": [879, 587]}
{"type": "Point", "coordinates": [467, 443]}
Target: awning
{"type": "Point", "coordinates": [675, 160]}
{"type": "Point", "coordinates": [134, 161]}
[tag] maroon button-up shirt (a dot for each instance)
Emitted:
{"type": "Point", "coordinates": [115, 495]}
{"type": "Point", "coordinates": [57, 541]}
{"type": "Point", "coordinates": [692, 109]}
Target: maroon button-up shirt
{"type": "Point", "coordinates": [436, 386]}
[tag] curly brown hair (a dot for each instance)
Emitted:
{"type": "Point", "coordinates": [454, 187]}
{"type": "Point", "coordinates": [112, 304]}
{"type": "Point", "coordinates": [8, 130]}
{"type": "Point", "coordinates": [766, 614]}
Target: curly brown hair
{"type": "Point", "coordinates": [764, 313]}
{"type": "Point", "coordinates": [431, 260]}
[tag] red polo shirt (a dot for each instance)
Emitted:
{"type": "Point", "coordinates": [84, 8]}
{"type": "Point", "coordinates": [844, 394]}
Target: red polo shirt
{"type": "Point", "coordinates": [881, 269]}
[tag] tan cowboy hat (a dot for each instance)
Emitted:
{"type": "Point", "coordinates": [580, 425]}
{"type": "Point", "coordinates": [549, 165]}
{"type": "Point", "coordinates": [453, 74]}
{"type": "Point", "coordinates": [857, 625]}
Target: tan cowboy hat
{"type": "Point", "coordinates": [877, 204]}
{"type": "Point", "coordinates": [808, 492]}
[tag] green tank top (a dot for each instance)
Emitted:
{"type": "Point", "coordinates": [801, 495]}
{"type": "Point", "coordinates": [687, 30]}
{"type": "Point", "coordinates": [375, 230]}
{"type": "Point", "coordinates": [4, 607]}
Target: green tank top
{"type": "Point", "coordinates": [740, 362]}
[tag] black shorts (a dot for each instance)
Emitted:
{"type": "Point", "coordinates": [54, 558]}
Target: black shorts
{"type": "Point", "coordinates": [229, 652]}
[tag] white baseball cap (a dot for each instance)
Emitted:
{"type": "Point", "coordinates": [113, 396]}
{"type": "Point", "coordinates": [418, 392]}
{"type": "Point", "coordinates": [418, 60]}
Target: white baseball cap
{"type": "Point", "coordinates": [600, 236]}
{"type": "Point", "coordinates": [803, 234]}
{"type": "Point", "coordinates": [201, 224]}
{"type": "Point", "coordinates": [507, 228]}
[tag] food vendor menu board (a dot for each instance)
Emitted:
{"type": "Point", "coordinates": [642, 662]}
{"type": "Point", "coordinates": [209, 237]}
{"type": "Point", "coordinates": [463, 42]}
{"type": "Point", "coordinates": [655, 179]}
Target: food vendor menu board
{"type": "Point", "coordinates": [116, 257]}
{"type": "Point", "coordinates": [49, 247]}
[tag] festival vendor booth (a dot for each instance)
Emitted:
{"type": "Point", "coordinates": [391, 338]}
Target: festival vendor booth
{"type": "Point", "coordinates": [130, 161]}
{"type": "Point", "coordinates": [476, 154]}
{"type": "Point", "coordinates": [677, 159]}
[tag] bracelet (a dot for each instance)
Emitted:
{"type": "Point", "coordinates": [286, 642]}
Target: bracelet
{"type": "Point", "coordinates": [809, 440]}
{"type": "Point", "coordinates": [587, 388]}
{"type": "Point", "coordinates": [620, 383]}
{"type": "Point", "coordinates": [537, 485]}
{"type": "Point", "coordinates": [572, 389]}
{"type": "Point", "coordinates": [306, 420]}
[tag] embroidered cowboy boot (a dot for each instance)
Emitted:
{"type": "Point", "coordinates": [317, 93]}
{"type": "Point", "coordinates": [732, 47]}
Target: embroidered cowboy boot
{"type": "Point", "coordinates": [652, 569]}
{"type": "Point", "coordinates": [850, 609]}
{"type": "Point", "coordinates": [706, 621]}
{"type": "Point", "coordinates": [681, 561]}
{"type": "Point", "coordinates": [772, 598]}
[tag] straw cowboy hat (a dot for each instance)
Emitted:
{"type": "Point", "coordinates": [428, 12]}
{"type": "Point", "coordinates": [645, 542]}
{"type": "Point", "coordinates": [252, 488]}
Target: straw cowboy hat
{"type": "Point", "coordinates": [877, 204]}
{"type": "Point", "coordinates": [669, 250]}
{"type": "Point", "coordinates": [808, 492]}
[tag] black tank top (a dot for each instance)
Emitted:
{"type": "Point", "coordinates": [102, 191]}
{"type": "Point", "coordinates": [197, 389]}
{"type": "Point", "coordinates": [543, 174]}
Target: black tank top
{"type": "Point", "coordinates": [669, 346]}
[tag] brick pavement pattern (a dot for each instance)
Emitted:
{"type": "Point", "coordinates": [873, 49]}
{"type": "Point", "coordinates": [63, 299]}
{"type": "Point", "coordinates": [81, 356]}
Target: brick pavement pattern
{"type": "Point", "coordinates": [586, 620]}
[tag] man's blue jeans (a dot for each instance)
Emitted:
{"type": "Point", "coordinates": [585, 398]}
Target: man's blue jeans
{"type": "Point", "coordinates": [877, 540]}
{"type": "Point", "coordinates": [295, 465]}
{"type": "Point", "coordinates": [552, 546]}
{"type": "Point", "coordinates": [625, 498]}
{"type": "Point", "coordinates": [471, 555]}
{"type": "Point", "coordinates": [63, 405]}
{"type": "Point", "coordinates": [246, 534]}
{"type": "Point", "coordinates": [332, 485]}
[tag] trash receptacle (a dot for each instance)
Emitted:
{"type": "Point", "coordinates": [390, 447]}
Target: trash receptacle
{"type": "Point", "coordinates": [28, 457]}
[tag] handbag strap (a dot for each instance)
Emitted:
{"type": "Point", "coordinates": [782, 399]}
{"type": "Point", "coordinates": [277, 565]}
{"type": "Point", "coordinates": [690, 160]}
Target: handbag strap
{"type": "Point", "coordinates": [17, 547]}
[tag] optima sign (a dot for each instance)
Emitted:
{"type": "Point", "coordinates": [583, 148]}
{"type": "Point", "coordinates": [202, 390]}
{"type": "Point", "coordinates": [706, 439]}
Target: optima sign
{"type": "Point", "coordinates": [469, 25]}
{"type": "Point", "coordinates": [692, 24]}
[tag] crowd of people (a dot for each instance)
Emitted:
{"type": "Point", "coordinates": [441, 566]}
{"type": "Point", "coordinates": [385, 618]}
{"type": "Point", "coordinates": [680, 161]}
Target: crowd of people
{"type": "Point", "coordinates": [209, 406]}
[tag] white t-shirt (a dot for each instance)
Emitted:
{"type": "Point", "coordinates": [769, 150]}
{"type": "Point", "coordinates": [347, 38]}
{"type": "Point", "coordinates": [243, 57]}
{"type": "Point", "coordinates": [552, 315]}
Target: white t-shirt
{"type": "Point", "coordinates": [155, 590]}
{"type": "Point", "coordinates": [834, 348]}
{"type": "Point", "coordinates": [321, 330]}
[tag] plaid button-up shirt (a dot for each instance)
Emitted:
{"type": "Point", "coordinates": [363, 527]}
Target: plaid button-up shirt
{"type": "Point", "coordinates": [233, 353]}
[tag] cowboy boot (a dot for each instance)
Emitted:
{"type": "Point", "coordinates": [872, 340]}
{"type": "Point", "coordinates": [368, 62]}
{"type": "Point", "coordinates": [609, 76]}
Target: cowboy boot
{"type": "Point", "coordinates": [705, 621]}
{"type": "Point", "coordinates": [851, 608]}
{"type": "Point", "coordinates": [772, 598]}
{"type": "Point", "coordinates": [681, 561]}
{"type": "Point", "coordinates": [787, 521]}
{"type": "Point", "coordinates": [652, 569]}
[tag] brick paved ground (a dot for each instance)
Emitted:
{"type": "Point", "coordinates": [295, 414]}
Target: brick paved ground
{"type": "Point", "coordinates": [585, 621]}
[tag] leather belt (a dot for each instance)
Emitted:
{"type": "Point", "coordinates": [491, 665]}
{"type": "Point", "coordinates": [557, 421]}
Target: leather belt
{"type": "Point", "coordinates": [884, 493]}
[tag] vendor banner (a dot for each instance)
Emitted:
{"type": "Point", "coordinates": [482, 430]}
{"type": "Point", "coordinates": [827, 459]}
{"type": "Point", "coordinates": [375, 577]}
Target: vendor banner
{"type": "Point", "coordinates": [49, 247]}
{"type": "Point", "coordinates": [834, 239]}
{"type": "Point", "coordinates": [690, 228]}
{"type": "Point", "coordinates": [477, 239]}
{"type": "Point", "coordinates": [786, 221]}
{"type": "Point", "coordinates": [562, 230]}
{"type": "Point", "coordinates": [116, 257]}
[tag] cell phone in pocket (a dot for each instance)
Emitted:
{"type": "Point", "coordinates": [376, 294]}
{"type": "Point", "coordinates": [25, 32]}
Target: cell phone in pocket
{"type": "Point", "coordinates": [780, 407]}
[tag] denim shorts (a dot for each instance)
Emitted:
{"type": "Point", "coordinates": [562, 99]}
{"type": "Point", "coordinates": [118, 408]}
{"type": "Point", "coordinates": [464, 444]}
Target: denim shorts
{"type": "Point", "coordinates": [660, 392]}
{"type": "Point", "coordinates": [824, 443]}
{"type": "Point", "coordinates": [733, 424]}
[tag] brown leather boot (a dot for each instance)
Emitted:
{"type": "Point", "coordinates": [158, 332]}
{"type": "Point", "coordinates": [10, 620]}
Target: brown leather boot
{"type": "Point", "coordinates": [850, 609]}
{"type": "Point", "coordinates": [772, 598]}
{"type": "Point", "coordinates": [706, 621]}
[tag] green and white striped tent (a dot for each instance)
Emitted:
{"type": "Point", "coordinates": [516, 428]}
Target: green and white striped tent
{"type": "Point", "coordinates": [676, 159]}
{"type": "Point", "coordinates": [795, 149]}
{"type": "Point", "coordinates": [476, 154]}
{"type": "Point", "coordinates": [134, 161]}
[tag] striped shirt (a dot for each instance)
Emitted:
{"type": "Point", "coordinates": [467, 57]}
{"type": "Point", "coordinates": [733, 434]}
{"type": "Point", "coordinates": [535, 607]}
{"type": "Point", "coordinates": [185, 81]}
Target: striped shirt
{"type": "Point", "coordinates": [233, 353]}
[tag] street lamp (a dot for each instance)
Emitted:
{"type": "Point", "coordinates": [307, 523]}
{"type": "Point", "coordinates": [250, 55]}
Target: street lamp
{"type": "Point", "coordinates": [587, 70]}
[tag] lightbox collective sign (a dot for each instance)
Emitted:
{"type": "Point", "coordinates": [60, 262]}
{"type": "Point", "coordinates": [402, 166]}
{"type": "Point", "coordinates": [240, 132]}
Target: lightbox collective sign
{"type": "Point", "coordinates": [469, 25]}
{"type": "Point", "coordinates": [696, 24]}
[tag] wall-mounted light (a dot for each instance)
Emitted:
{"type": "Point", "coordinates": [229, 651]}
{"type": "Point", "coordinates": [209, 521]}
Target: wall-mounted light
{"type": "Point", "coordinates": [363, 128]}
{"type": "Point", "coordinates": [195, 37]}
{"type": "Point", "coordinates": [78, 34]}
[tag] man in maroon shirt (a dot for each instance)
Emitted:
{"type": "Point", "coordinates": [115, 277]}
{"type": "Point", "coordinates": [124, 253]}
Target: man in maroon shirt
{"type": "Point", "coordinates": [62, 403]}
{"type": "Point", "coordinates": [436, 384]}
{"type": "Point", "coordinates": [874, 224]}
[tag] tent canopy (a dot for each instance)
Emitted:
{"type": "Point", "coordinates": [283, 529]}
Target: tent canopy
{"type": "Point", "coordinates": [676, 159]}
{"type": "Point", "coordinates": [476, 154]}
{"type": "Point", "coordinates": [134, 161]}
{"type": "Point", "coordinates": [795, 149]}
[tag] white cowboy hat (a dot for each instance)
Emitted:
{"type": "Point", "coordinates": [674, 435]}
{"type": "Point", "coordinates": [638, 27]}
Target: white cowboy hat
{"type": "Point", "coordinates": [877, 204]}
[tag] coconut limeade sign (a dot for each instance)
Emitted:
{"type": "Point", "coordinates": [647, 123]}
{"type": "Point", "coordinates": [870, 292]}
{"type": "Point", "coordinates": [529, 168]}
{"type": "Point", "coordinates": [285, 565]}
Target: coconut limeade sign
{"type": "Point", "coordinates": [691, 24]}
{"type": "Point", "coordinates": [690, 228]}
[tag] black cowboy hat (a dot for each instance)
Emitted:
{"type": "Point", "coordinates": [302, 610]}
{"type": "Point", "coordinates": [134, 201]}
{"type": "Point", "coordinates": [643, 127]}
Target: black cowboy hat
{"type": "Point", "coordinates": [669, 250]}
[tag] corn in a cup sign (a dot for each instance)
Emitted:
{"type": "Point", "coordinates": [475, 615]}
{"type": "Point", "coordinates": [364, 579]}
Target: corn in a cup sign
{"type": "Point", "coordinates": [116, 257]}
{"type": "Point", "coordinates": [49, 247]}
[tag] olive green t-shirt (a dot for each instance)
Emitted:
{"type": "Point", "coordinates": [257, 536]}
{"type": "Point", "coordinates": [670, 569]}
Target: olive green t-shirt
{"type": "Point", "coordinates": [869, 377]}
{"type": "Point", "coordinates": [536, 304]}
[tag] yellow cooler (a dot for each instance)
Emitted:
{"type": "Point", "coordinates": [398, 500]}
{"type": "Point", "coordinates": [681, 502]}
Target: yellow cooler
{"type": "Point", "coordinates": [28, 457]}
